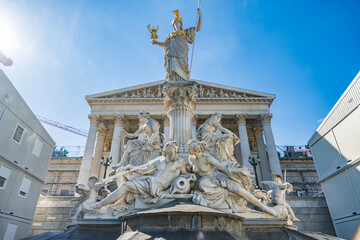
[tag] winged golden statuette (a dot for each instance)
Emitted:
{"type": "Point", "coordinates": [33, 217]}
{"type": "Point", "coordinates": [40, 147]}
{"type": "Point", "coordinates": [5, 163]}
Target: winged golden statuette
{"type": "Point", "coordinates": [153, 32]}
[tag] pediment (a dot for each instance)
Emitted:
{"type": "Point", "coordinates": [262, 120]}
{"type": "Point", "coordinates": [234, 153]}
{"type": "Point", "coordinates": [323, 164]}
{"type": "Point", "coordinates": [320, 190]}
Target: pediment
{"type": "Point", "coordinates": [153, 91]}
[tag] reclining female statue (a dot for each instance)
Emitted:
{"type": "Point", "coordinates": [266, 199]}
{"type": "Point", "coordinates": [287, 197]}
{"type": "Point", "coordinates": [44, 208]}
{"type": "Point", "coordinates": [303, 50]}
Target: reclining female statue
{"type": "Point", "coordinates": [222, 184]}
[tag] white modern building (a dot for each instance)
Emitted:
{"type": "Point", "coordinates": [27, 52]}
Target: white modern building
{"type": "Point", "coordinates": [25, 151]}
{"type": "Point", "coordinates": [336, 151]}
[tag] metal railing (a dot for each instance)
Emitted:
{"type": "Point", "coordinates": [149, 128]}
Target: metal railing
{"type": "Point", "coordinates": [68, 151]}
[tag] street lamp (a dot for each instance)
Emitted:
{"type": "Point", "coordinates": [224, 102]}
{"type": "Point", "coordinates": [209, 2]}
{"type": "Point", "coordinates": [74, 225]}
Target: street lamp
{"type": "Point", "coordinates": [254, 162]}
{"type": "Point", "coordinates": [106, 163]}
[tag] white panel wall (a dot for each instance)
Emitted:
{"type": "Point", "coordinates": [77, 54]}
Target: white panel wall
{"type": "Point", "coordinates": [8, 147]}
{"type": "Point", "coordinates": [20, 206]}
{"type": "Point", "coordinates": [6, 192]}
{"type": "Point", "coordinates": [347, 227]}
{"type": "Point", "coordinates": [327, 155]}
{"type": "Point", "coordinates": [22, 228]}
{"type": "Point", "coordinates": [347, 135]}
{"type": "Point", "coordinates": [340, 196]}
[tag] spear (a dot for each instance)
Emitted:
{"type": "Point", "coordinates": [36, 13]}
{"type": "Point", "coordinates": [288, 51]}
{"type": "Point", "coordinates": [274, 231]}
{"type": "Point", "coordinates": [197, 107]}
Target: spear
{"type": "Point", "coordinates": [192, 54]}
{"type": "Point", "coordinates": [285, 187]}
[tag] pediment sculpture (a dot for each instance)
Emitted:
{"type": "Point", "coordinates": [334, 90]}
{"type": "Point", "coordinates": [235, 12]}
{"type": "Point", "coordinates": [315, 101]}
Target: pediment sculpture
{"type": "Point", "coordinates": [204, 92]}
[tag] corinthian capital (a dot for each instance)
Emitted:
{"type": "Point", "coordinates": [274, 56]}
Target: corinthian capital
{"type": "Point", "coordinates": [241, 119]}
{"type": "Point", "coordinates": [265, 118]}
{"type": "Point", "coordinates": [119, 119]}
{"type": "Point", "coordinates": [94, 119]}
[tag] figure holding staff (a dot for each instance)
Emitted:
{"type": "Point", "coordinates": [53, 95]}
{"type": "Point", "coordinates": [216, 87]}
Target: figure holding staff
{"type": "Point", "coordinates": [176, 48]}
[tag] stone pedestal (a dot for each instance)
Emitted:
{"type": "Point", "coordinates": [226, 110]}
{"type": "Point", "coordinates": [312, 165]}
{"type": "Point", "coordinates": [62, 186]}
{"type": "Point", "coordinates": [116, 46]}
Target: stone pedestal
{"type": "Point", "coordinates": [180, 102]}
{"type": "Point", "coordinates": [181, 219]}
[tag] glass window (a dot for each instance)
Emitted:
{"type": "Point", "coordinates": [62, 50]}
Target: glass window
{"type": "Point", "coordinates": [2, 182]}
{"type": "Point", "coordinates": [18, 133]}
{"type": "Point", "coordinates": [25, 187]}
{"type": "Point", "coordinates": [4, 176]}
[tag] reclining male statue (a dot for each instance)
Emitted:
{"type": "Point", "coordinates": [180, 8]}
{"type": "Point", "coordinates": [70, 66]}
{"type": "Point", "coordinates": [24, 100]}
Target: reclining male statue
{"type": "Point", "coordinates": [150, 188]}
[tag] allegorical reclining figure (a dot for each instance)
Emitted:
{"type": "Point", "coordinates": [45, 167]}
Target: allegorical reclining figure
{"type": "Point", "coordinates": [222, 185]}
{"type": "Point", "coordinates": [151, 188]}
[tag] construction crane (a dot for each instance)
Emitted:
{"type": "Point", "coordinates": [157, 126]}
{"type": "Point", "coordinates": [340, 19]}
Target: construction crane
{"type": "Point", "coordinates": [80, 132]}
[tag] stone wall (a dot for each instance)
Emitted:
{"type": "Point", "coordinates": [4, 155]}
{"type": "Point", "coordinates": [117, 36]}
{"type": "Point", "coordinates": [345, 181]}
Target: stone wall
{"type": "Point", "coordinates": [52, 214]}
{"type": "Point", "coordinates": [313, 213]}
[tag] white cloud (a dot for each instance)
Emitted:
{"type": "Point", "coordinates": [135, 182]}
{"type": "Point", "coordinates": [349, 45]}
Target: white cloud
{"type": "Point", "coordinates": [320, 120]}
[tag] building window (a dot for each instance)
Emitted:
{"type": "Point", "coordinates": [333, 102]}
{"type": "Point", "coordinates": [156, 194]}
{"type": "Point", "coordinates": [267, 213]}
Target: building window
{"type": "Point", "coordinates": [24, 188]}
{"type": "Point", "coordinates": [64, 192]}
{"type": "Point", "coordinates": [4, 176]}
{"type": "Point", "coordinates": [10, 231]}
{"type": "Point", "coordinates": [18, 135]}
{"type": "Point", "coordinates": [37, 147]}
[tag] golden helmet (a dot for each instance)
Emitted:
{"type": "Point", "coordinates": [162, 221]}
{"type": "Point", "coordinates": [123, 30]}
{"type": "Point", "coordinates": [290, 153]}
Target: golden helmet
{"type": "Point", "coordinates": [177, 17]}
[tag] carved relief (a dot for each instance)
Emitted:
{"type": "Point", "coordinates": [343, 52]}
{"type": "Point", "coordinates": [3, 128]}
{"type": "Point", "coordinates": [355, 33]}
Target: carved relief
{"type": "Point", "coordinates": [203, 92]}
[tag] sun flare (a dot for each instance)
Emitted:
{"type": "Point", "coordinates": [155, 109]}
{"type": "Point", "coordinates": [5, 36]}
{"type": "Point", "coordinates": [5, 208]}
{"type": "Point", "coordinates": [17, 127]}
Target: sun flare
{"type": "Point", "coordinates": [9, 37]}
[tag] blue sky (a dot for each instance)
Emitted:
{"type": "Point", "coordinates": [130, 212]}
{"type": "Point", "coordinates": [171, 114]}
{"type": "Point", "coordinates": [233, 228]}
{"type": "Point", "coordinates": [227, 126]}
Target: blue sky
{"type": "Point", "coordinates": [306, 52]}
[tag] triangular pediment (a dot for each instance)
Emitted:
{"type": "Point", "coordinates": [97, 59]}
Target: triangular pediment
{"type": "Point", "coordinates": [207, 90]}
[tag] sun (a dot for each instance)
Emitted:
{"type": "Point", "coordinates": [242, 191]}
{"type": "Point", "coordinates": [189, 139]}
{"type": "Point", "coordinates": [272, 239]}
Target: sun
{"type": "Point", "coordinates": [9, 37]}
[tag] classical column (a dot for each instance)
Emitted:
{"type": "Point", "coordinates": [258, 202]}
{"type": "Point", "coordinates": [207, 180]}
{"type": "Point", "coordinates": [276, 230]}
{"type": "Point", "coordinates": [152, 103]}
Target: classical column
{"type": "Point", "coordinates": [89, 149]}
{"type": "Point", "coordinates": [264, 161]}
{"type": "Point", "coordinates": [166, 126]}
{"type": "Point", "coordinates": [193, 125]}
{"type": "Point", "coordinates": [95, 165]}
{"type": "Point", "coordinates": [270, 144]}
{"type": "Point", "coordinates": [244, 145]}
{"type": "Point", "coordinates": [180, 102]}
{"type": "Point", "coordinates": [116, 140]}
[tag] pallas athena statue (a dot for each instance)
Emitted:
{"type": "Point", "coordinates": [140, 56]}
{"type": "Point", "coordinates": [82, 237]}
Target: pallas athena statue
{"type": "Point", "coordinates": [176, 48]}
